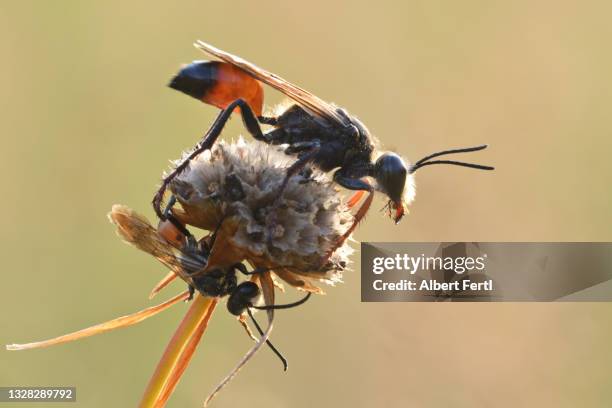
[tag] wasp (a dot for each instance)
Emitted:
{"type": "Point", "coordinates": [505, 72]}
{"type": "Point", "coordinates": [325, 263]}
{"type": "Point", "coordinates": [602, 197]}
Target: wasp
{"type": "Point", "coordinates": [315, 132]}
{"type": "Point", "coordinates": [189, 257]}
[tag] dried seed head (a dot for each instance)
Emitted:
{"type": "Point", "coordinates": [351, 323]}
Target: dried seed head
{"type": "Point", "coordinates": [238, 184]}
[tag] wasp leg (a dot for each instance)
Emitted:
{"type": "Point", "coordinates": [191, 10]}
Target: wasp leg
{"type": "Point", "coordinates": [276, 136]}
{"type": "Point", "coordinates": [309, 151]}
{"type": "Point", "coordinates": [267, 120]}
{"type": "Point", "coordinates": [303, 147]}
{"type": "Point", "coordinates": [243, 269]}
{"type": "Point", "coordinates": [351, 184]}
{"type": "Point", "coordinates": [250, 122]}
{"type": "Point", "coordinates": [207, 243]}
{"type": "Point", "coordinates": [167, 215]}
{"type": "Point", "coordinates": [213, 238]}
{"type": "Point", "coordinates": [191, 293]}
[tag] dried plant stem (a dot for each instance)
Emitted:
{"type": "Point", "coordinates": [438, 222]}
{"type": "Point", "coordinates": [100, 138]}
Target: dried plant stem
{"type": "Point", "coordinates": [178, 352]}
{"type": "Point", "coordinates": [267, 286]}
{"type": "Point", "coordinates": [162, 284]}
{"type": "Point", "coordinates": [123, 321]}
{"type": "Point", "coordinates": [245, 326]}
{"type": "Point", "coordinates": [185, 357]}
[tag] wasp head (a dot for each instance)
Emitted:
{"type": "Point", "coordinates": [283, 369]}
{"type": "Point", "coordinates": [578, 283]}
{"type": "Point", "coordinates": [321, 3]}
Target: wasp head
{"type": "Point", "coordinates": [394, 179]}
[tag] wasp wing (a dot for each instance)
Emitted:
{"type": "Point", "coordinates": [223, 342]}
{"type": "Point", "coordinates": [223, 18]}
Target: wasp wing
{"type": "Point", "coordinates": [305, 98]}
{"type": "Point", "coordinates": [137, 231]}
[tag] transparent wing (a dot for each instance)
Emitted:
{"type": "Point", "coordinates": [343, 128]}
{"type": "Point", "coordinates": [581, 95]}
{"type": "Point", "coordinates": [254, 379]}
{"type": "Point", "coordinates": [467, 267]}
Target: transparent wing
{"type": "Point", "coordinates": [136, 230]}
{"type": "Point", "coordinates": [305, 98]}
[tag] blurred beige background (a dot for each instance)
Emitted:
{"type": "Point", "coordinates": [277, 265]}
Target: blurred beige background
{"type": "Point", "coordinates": [88, 122]}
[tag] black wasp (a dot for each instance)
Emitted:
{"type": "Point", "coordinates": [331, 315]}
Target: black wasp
{"type": "Point", "coordinates": [193, 257]}
{"type": "Point", "coordinates": [315, 131]}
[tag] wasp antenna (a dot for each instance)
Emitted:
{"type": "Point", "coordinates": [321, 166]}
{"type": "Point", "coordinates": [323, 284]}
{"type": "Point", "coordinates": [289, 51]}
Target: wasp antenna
{"type": "Point", "coordinates": [426, 161]}
{"type": "Point", "coordinates": [455, 163]}
{"type": "Point", "coordinates": [451, 151]}
{"type": "Point", "coordinates": [268, 342]}
{"type": "Point", "coordinates": [286, 306]}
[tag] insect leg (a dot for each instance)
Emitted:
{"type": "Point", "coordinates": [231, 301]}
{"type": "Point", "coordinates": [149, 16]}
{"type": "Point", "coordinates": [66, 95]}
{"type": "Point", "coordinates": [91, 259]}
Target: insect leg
{"type": "Point", "coordinates": [267, 120]}
{"type": "Point", "coordinates": [191, 293]}
{"type": "Point", "coordinates": [301, 147]}
{"type": "Point", "coordinates": [310, 150]}
{"type": "Point", "coordinates": [191, 241]}
{"type": "Point", "coordinates": [351, 184]}
{"type": "Point", "coordinates": [276, 136]}
{"type": "Point", "coordinates": [355, 198]}
{"type": "Point", "coordinates": [298, 165]}
{"type": "Point", "coordinates": [243, 269]}
{"type": "Point", "coordinates": [250, 122]}
{"type": "Point", "coordinates": [213, 237]}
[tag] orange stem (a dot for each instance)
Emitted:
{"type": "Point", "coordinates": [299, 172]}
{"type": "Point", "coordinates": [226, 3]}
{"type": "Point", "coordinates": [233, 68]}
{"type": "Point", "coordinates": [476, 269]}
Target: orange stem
{"type": "Point", "coordinates": [185, 358]}
{"type": "Point", "coordinates": [194, 321]}
{"type": "Point", "coordinates": [162, 284]}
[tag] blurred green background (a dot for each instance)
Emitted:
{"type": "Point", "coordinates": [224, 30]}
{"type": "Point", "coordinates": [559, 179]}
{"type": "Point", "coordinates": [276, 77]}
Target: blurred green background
{"type": "Point", "coordinates": [88, 122]}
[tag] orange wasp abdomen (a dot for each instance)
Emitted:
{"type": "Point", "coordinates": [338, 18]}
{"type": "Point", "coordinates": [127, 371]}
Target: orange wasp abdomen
{"type": "Point", "coordinates": [219, 84]}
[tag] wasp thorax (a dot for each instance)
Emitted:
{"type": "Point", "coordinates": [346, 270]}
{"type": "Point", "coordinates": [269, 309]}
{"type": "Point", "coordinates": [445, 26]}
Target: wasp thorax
{"type": "Point", "coordinates": [236, 186]}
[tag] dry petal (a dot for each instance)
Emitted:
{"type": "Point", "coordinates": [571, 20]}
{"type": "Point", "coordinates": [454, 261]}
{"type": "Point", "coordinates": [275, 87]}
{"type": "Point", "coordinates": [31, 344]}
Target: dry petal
{"type": "Point", "coordinates": [162, 284]}
{"type": "Point", "coordinates": [123, 321]}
